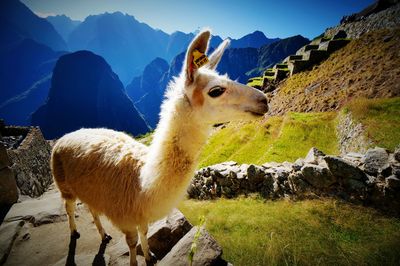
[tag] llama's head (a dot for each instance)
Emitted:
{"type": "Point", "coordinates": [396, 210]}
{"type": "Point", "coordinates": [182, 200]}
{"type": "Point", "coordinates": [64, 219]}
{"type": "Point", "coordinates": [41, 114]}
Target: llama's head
{"type": "Point", "coordinates": [215, 98]}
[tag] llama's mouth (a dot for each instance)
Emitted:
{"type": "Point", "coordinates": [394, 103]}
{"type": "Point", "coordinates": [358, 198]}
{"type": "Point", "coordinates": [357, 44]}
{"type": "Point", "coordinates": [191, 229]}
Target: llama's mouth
{"type": "Point", "coordinates": [255, 113]}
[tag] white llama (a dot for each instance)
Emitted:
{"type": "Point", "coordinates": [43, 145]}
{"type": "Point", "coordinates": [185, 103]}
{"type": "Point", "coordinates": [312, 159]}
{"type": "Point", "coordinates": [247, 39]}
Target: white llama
{"type": "Point", "coordinates": [134, 185]}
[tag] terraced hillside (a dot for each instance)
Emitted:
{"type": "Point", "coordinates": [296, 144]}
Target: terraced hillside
{"type": "Point", "coordinates": [366, 67]}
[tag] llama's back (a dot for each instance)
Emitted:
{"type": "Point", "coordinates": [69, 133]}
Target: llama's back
{"type": "Point", "coordinates": [97, 166]}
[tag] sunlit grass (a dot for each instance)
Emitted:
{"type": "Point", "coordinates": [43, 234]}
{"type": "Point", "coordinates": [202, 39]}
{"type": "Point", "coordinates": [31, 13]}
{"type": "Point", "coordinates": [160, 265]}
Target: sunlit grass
{"type": "Point", "coordinates": [311, 232]}
{"type": "Point", "coordinates": [275, 139]}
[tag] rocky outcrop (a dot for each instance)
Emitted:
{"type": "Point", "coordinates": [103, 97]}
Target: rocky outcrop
{"type": "Point", "coordinates": [372, 178]}
{"type": "Point", "coordinates": [33, 226]}
{"type": "Point", "coordinates": [85, 92]}
{"type": "Point", "coordinates": [386, 19]}
{"type": "Point", "coordinates": [351, 135]}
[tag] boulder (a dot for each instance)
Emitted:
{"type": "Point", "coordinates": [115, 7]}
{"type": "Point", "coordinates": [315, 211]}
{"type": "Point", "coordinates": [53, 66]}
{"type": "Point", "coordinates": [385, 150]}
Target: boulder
{"type": "Point", "coordinates": [375, 160]}
{"type": "Point", "coordinates": [165, 233]}
{"type": "Point", "coordinates": [162, 236]}
{"type": "Point", "coordinates": [314, 156]}
{"type": "Point", "coordinates": [354, 157]}
{"type": "Point", "coordinates": [298, 164]}
{"type": "Point", "coordinates": [346, 172]}
{"type": "Point", "coordinates": [318, 176]}
{"type": "Point", "coordinates": [207, 251]}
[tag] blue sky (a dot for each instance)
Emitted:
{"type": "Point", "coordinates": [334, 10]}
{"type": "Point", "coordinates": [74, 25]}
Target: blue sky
{"type": "Point", "coordinates": [278, 18]}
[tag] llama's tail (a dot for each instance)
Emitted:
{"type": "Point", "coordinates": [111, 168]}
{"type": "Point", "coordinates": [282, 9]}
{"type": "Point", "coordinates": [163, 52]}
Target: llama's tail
{"type": "Point", "coordinates": [59, 175]}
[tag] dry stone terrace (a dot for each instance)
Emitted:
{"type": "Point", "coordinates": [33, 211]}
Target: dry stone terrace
{"type": "Point", "coordinates": [370, 179]}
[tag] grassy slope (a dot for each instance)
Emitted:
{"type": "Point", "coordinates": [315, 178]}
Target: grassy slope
{"type": "Point", "coordinates": [381, 119]}
{"type": "Point", "coordinates": [275, 139]}
{"type": "Point", "coordinates": [317, 232]}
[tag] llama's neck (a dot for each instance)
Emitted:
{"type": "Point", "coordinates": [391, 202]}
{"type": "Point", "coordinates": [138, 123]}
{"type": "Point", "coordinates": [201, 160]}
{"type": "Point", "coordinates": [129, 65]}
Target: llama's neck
{"type": "Point", "coordinates": [172, 159]}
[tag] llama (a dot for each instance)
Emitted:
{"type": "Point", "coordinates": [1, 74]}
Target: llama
{"type": "Point", "coordinates": [132, 184]}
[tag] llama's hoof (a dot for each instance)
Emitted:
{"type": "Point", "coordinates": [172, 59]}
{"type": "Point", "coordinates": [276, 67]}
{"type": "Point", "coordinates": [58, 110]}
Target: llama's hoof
{"type": "Point", "coordinates": [152, 260]}
{"type": "Point", "coordinates": [106, 238]}
{"type": "Point", "coordinates": [75, 235]}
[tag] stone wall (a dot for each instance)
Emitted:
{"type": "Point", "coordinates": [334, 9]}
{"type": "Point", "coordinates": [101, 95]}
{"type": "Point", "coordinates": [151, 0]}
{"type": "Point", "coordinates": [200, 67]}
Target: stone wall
{"type": "Point", "coordinates": [8, 186]}
{"type": "Point", "coordinates": [386, 19]}
{"type": "Point", "coordinates": [372, 179]}
{"type": "Point", "coordinates": [351, 135]}
{"type": "Point", "coordinates": [29, 154]}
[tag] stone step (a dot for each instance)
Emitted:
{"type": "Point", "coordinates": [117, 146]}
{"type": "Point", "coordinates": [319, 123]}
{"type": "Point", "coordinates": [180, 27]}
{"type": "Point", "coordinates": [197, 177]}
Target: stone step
{"type": "Point", "coordinates": [282, 73]}
{"type": "Point", "coordinates": [334, 45]}
{"type": "Point", "coordinates": [256, 82]}
{"type": "Point", "coordinates": [295, 57]}
{"type": "Point", "coordinates": [281, 66]}
{"type": "Point", "coordinates": [297, 66]}
{"type": "Point", "coordinates": [269, 73]}
{"type": "Point", "coordinates": [316, 56]}
{"type": "Point", "coordinates": [311, 47]}
{"type": "Point", "coordinates": [292, 57]}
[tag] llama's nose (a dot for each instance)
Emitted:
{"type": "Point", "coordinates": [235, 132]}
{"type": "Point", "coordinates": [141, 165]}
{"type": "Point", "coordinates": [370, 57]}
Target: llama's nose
{"type": "Point", "coordinates": [264, 101]}
{"type": "Point", "coordinates": [264, 104]}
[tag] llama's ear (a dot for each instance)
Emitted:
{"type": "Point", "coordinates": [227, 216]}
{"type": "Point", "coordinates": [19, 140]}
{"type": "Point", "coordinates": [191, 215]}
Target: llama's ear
{"type": "Point", "coordinates": [216, 56]}
{"type": "Point", "coordinates": [199, 43]}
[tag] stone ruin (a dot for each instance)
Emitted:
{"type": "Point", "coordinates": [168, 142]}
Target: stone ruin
{"type": "Point", "coordinates": [371, 179]}
{"type": "Point", "coordinates": [24, 163]}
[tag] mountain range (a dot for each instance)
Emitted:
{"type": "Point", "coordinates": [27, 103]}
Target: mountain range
{"type": "Point", "coordinates": [129, 45]}
{"type": "Point", "coordinates": [144, 58]}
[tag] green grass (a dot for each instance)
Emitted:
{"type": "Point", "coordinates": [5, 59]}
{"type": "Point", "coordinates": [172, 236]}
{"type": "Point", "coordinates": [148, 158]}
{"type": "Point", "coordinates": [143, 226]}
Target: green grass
{"type": "Point", "coordinates": [311, 232]}
{"type": "Point", "coordinates": [381, 119]}
{"type": "Point", "coordinates": [275, 139]}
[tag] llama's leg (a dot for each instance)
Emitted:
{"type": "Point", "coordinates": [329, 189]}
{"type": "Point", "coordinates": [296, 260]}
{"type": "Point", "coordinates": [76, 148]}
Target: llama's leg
{"type": "Point", "coordinates": [70, 208]}
{"type": "Point", "coordinates": [97, 222]}
{"type": "Point", "coordinates": [131, 240]}
{"type": "Point", "coordinates": [143, 241]}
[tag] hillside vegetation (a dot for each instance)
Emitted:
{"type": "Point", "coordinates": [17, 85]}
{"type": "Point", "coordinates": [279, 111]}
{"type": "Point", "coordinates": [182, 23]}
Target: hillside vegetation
{"type": "Point", "coordinates": [367, 67]}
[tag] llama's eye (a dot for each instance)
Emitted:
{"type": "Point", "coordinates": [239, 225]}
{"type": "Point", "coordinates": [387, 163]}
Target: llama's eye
{"type": "Point", "coordinates": [216, 91]}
